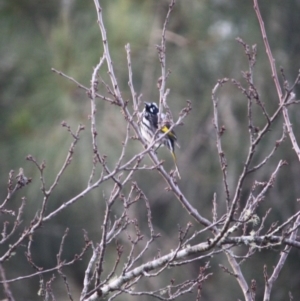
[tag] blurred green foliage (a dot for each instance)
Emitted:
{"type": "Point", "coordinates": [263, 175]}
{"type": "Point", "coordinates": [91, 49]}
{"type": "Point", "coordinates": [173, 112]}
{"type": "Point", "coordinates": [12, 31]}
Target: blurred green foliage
{"type": "Point", "coordinates": [201, 48]}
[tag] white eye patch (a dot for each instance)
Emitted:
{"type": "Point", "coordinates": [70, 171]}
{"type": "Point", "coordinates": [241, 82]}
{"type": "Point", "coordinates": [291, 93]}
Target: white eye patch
{"type": "Point", "coordinates": [153, 108]}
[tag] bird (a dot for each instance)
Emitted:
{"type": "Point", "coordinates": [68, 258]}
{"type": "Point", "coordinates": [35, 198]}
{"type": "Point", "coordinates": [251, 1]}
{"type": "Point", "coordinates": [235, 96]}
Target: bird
{"type": "Point", "coordinates": [150, 128]}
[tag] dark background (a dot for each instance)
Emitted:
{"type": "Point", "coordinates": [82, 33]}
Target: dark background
{"type": "Point", "coordinates": [201, 48]}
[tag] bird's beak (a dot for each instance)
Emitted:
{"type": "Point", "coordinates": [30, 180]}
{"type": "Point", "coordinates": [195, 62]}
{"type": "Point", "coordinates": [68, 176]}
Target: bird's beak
{"type": "Point", "coordinates": [146, 103]}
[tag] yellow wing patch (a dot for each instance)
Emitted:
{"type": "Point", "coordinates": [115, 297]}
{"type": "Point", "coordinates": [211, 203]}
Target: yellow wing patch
{"type": "Point", "coordinates": [165, 129]}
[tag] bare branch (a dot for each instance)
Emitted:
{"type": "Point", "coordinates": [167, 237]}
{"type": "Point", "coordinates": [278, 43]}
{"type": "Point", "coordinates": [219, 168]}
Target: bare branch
{"type": "Point", "coordinates": [282, 98]}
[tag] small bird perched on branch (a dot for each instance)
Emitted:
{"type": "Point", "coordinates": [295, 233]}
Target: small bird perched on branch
{"type": "Point", "coordinates": [150, 131]}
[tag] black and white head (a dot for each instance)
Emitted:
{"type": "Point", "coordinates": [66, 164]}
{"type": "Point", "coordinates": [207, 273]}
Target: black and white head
{"type": "Point", "coordinates": [151, 108]}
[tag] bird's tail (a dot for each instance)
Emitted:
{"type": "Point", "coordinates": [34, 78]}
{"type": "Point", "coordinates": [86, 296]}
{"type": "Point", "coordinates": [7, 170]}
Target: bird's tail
{"type": "Point", "coordinates": [175, 162]}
